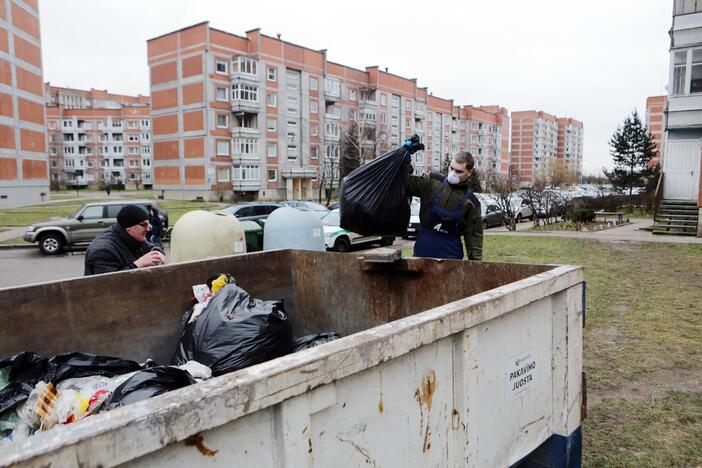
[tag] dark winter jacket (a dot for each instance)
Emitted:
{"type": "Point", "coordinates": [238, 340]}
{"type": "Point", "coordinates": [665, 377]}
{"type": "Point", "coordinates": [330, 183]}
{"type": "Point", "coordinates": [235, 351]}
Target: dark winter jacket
{"type": "Point", "coordinates": [425, 187]}
{"type": "Point", "coordinates": [114, 250]}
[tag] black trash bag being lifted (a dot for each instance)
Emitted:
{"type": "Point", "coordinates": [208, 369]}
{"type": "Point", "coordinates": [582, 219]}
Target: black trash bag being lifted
{"type": "Point", "coordinates": [28, 368]}
{"type": "Point", "coordinates": [373, 197]}
{"type": "Point", "coordinates": [235, 331]}
{"type": "Point", "coordinates": [149, 383]}
{"type": "Point", "coordinates": [310, 341]}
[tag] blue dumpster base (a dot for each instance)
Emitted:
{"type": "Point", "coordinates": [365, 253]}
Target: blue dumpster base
{"type": "Point", "coordinates": [557, 452]}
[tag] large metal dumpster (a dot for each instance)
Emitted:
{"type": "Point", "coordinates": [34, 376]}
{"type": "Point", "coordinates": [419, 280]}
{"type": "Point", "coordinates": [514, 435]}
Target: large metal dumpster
{"type": "Point", "coordinates": [443, 363]}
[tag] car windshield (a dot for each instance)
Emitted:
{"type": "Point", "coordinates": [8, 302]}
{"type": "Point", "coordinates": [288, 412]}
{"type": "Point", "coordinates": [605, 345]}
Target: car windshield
{"type": "Point", "coordinates": [332, 219]}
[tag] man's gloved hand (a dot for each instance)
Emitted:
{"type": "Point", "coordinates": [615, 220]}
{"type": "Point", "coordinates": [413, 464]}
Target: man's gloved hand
{"type": "Point", "coordinates": [412, 145]}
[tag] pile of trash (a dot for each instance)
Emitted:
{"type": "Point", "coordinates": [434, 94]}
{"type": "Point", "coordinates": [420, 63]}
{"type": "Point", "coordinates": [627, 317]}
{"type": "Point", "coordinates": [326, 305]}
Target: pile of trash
{"type": "Point", "coordinates": [226, 330]}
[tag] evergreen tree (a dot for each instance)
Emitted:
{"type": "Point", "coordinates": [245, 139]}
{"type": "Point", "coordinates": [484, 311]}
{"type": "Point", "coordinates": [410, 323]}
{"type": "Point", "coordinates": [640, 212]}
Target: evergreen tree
{"type": "Point", "coordinates": [632, 149]}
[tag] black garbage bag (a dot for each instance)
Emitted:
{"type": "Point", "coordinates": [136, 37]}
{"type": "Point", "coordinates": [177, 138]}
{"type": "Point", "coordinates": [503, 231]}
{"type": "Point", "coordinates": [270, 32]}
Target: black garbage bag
{"type": "Point", "coordinates": [13, 394]}
{"type": "Point", "coordinates": [28, 368]}
{"type": "Point", "coordinates": [73, 365]}
{"type": "Point", "coordinates": [310, 341]}
{"type": "Point", "coordinates": [149, 383]}
{"type": "Point", "coordinates": [235, 331]}
{"type": "Point", "coordinates": [374, 200]}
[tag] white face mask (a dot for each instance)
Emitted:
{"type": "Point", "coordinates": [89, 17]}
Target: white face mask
{"type": "Point", "coordinates": [453, 178]}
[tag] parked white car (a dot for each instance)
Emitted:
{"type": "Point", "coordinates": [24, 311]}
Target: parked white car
{"type": "Point", "coordinates": [339, 239]}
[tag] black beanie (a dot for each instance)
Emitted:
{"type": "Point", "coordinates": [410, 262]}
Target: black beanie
{"type": "Point", "coordinates": [131, 215]}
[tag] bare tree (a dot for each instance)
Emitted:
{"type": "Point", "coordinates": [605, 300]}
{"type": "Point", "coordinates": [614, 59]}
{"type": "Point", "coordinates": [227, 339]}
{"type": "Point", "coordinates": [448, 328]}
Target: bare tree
{"type": "Point", "coordinates": [503, 187]}
{"type": "Point", "coordinates": [360, 142]}
{"type": "Point", "coordinates": [329, 180]}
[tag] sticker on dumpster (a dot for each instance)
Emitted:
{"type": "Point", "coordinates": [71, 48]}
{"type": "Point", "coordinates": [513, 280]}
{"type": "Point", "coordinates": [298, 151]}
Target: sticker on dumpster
{"type": "Point", "coordinates": [239, 247]}
{"type": "Point", "coordinates": [521, 372]}
{"type": "Point", "coordinates": [316, 232]}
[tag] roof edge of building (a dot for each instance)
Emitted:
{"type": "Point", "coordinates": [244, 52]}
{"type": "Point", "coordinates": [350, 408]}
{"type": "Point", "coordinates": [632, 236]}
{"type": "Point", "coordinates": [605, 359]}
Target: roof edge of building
{"type": "Point", "coordinates": [179, 30]}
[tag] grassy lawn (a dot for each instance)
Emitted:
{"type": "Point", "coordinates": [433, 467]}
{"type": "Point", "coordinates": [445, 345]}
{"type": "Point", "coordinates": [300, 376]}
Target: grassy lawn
{"type": "Point", "coordinates": [643, 345]}
{"type": "Point", "coordinates": [31, 214]}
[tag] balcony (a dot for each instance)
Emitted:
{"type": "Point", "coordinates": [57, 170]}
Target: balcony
{"type": "Point", "coordinates": [246, 185]}
{"type": "Point", "coordinates": [245, 132]}
{"type": "Point", "coordinates": [298, 172]}
{"type": "Point", "coordinates": [332, 89]}
{"type": "Point", "coordinates": [684, 111]}
{"type": "Point", "coordinates": [246, 106]}
{"type": "Point", "coordinates": [419, 114]}
{"type": "Point", "coordinates": [246, 158]}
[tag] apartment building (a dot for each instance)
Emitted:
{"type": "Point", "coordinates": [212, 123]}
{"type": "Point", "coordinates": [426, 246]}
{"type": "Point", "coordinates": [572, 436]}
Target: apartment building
{"type": "Point", "coordinates": [256, 117]}
{"type": "Point", "coordinates": [541, 142]}
{"type": "Point", "coordinates": [487, 137]}
{"type": "Point", "coordinates": [569, 148]}
{"type": "Point", "coordinates": [655, 122]}
{"type": "Point", "coordinates": [23, 156]}
{"type": "Point", "coordinates": [682, 158]}
{"type": "Point", "coordinates": [98, 138]}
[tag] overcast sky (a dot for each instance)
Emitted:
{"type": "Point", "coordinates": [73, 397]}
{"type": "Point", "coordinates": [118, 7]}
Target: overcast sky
{"type": "Point", "coordinates": [593, 60]}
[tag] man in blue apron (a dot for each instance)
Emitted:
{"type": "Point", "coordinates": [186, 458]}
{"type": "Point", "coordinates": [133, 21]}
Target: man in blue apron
{"type": "Point", "coordinates": [449, 210]}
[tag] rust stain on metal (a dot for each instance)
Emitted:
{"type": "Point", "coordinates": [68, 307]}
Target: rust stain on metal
{"type": "Point", "coordinates": [309, 444]}
{"type": "Point", "coordinates": [304, 430]}
{"type": "Point", "coordinates": [197, 441]}
{"type": "Point", "coordinates": [368, 459]}
{"type": "Point", "coordinates": [381, 406]}
{"type": "Point", "coordinates": [424, 396]}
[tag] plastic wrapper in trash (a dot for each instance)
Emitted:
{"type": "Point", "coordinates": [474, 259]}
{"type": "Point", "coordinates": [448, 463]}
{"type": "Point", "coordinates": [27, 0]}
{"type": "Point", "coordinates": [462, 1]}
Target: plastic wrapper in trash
{"type": "Point", "coordinates": [235, 331]}
{"type": "Point", "coordinates": [73, 365]}
{"type": "Point", "coordinates": [198, 371]}
{"type": "Point", "coordinates": [374, 199]}
{"type": "Point", "coordinates": [310, 341]}
{"type": "Point", "coordinates": [149, 383]}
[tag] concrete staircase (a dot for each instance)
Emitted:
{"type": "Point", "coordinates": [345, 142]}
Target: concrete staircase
{"type": "Point", "coordinates": [677, 217]}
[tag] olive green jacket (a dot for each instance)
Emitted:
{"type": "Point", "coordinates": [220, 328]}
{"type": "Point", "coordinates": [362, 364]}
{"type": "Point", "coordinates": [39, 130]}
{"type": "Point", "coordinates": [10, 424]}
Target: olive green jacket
{"type": "Point", "coordinates": [426, 186]}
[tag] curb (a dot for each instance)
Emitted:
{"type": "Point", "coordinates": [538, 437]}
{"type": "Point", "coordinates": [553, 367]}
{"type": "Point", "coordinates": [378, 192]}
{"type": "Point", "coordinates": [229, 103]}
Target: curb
{"type": "Point", "coordinates": [17, 246]}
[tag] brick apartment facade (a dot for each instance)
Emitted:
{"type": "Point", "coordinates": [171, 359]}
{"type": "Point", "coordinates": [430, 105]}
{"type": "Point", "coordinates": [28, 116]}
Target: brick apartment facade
{"type": "Point", "coordinates": [255, 117]}
{"type": "Point", "coordinates": [98, 138]}
{"type": "Point", "coordinates": [655, 121]}
{"type": "Point", "coordinates": [23, 156]}
{"type": "Point", "coordinates": [541, 142]}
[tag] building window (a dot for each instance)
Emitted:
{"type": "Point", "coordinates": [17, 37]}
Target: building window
{"type": "Point", "coordinates": [687, 6]}
{"type": "Point", "coordinates": [292, 106]}
{"type": "Point", "coordinates": [696, 72]}
{"type": "Point", "coordinates": [292, 151]}
{"type": "Point", "coordinates": [222, 175]}
{"type": "Point", "coordinates": [146, 149]}
{"type": "Point", "coordinates": [133, 150]}
{"type": "Point", "coordinates": [145, 136]}
{"type": "Point", "coordinates": [221, 94]}
{"type": "Point", "coordinates": [314, 152]}
{"type": "Point", "coordinates": [132, 163]}
{"type": "Point", "coordinates": [221, 67]}
{"type": "Point", "coordinates": [331, 130]}
{"type": "Point", "coordinates": [245, 146]}
{"type": "Point", "coordinates": [272, 150]}
{"type": "Point", "coordinates": [145, 123]}
{"type": "Point", "coordinates": [314, 107]}
{"type": "Point", "coordinates": [52, 151]}
{"type": "Point", "coordinates": [67, 123]}
{"type": "Point", "coordinates": [132, 137]}
{"type": "Point", "coordinates": [145, 162]}
{"type": "Point", "coordinates": [352, 95]}
{"type": "Point", "coordinates": [314, 130]}
{"type": "Point", "coordinates": [332, 152]}
{"type": "Point", "coordinates": [332, 87]}
{"type": "Point", "coordinates": [272, 125]}
{"type": "Point", "coordinates": [222, 148]}
{"type": "Point", "coordinates": [271, 74]}
{"type": "Point", "coordinates": [245, 172]}
{"type": "Point", "coordinates": [244, 92]}
{"type": "Point", "coordinates": [272, 175]}
{"type": "Point", "coordinates": [222, 121]}
{"type": "Point", "coordinates": [117, 123]}
{"type": "Point", "coordinates": [245, 65]}
{"type": "Point", "coordinates": [272, 100]}
{"type": "Point", "coordinates": [52, 124]}
{"type": "Point", "coordinates": [314, 84]}
{"type": "Point", "coordinates": [383, 99]}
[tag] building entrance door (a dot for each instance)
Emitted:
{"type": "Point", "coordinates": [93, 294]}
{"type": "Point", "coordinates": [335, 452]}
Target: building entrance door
{"type": "Point", "coordinates": [681, 165]}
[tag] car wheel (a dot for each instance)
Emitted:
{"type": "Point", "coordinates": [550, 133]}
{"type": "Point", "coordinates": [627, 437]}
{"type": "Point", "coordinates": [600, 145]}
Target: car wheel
{"type": "Point", "coordinates": [519, 218]}
{"type": "Point", "coordinates": [51, 243]}
{"type": "Point", "coordinates": [342, 245]}
{"type": "Point", "coordinates": [485, 224]}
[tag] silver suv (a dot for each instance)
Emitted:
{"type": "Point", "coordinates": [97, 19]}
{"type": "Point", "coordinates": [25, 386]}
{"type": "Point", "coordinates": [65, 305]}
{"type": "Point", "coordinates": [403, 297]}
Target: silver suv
{"type": "Point", "coordinates": [81, 228]}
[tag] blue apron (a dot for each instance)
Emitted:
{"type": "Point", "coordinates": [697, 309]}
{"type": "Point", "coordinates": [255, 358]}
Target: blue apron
{"type": "Point", "coordinates": [441, 229]}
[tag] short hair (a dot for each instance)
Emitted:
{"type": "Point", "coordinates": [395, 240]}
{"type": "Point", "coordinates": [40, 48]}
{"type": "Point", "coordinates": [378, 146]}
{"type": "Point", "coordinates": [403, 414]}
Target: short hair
{"type": "Point", "coordinates": [464, 157]}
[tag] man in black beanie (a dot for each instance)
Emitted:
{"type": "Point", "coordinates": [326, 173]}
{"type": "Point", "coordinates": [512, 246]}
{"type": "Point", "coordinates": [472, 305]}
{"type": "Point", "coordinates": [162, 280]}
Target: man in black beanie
{"type": "Point", "coordinates": [124, 245]}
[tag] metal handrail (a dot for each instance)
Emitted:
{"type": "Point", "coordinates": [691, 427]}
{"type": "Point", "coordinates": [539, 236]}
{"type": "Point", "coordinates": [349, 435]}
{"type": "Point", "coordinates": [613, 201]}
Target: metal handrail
{"type": "Point", "coordinates": [659, 195]}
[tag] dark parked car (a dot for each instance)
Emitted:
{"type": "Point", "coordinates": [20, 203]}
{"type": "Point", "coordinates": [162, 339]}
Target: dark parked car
{"type": "Point", "coordinates": [492, 215]}
{"type": "Point", "coordinates": [252, 211]}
